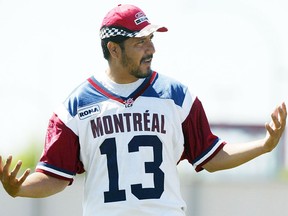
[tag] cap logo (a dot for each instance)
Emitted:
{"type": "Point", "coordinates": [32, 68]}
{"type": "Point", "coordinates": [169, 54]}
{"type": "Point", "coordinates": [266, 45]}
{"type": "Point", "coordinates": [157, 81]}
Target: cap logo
{"type": "Point", "coordinates": [140, 18]}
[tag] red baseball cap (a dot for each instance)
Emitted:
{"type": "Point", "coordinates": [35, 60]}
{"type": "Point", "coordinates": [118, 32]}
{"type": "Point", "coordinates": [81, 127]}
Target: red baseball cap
{"type": "Point", "coordinates": [128, 21]}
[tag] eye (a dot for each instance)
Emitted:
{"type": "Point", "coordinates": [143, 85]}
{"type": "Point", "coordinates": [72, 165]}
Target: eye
{"type": "Point", "coordinates": [141, 41]}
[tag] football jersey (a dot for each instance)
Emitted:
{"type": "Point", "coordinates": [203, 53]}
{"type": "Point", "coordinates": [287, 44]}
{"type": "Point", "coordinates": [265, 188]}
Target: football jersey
{"type": "Point", "coordinates": [129, 147]}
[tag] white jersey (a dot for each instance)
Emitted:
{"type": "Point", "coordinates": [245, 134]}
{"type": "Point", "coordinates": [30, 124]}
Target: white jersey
{"type": "Point", "coordinates": [129, 147]}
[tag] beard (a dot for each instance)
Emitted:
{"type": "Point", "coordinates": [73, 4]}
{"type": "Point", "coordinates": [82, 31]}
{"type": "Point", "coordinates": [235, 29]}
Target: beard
{"type": "Point", "coordinates": [135, 69]}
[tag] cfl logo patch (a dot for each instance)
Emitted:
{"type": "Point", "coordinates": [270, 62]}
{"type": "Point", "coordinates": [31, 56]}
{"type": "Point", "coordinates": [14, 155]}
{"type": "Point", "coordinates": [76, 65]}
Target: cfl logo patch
{"type": "Point", "coordinates": [129, 102]}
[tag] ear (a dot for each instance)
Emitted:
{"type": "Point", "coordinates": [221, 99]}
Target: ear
{"type": "Point", "coordinates": [114, 49]}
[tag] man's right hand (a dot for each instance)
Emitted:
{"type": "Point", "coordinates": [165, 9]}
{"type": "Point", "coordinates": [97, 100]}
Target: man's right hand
{"type": "Point", "coordinates": [9, 180]}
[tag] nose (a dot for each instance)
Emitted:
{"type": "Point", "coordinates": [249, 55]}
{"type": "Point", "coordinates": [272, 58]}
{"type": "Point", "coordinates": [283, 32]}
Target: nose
{"type": "Point", "coordinates": [150, 47]}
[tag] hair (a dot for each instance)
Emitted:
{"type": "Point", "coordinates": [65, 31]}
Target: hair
{"type": "Point", "coordinates": [119, 39]}
{"type": "Point", "coordinates": [116, 39]}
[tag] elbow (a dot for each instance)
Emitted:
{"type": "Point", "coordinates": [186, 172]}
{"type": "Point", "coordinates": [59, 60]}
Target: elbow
{"type": "Point", "coordinates": [212, 167]}
{"type": "Point", "coordinates": [211, 170]}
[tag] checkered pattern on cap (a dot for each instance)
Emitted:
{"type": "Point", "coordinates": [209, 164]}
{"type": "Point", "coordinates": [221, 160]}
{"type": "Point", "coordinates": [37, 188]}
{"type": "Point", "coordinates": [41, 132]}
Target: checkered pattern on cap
{"type": "Point", "coordinates": [107, 32]}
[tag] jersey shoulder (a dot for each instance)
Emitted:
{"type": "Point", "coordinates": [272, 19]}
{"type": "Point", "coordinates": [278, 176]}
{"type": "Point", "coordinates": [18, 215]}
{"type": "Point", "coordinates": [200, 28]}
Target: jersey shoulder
{"type": "Point", "coordinates": [166, 87]}
{"type": "Point", "coordinates": [82, 96]}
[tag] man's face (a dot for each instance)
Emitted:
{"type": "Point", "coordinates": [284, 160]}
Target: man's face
{"type": "Point", "coordinates": [137, 54]}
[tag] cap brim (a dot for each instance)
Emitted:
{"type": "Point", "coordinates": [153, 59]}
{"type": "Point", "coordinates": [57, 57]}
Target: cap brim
{"type": "Point", "coordinates": [149, 29]}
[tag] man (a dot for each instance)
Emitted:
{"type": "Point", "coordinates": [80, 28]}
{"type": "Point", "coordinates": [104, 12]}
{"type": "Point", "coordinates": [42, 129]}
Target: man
{"type": "Point", "coordinates": [128, 129]}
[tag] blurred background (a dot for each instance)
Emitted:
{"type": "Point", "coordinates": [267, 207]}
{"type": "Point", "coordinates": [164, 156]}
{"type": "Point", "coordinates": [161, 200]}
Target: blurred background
{"type": "Point", "coordinates": [232, 54]}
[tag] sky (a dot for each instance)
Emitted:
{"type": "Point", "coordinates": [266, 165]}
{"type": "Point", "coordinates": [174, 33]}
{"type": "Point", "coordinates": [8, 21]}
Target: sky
{"type": "Point", "coordinates": [231, 54]}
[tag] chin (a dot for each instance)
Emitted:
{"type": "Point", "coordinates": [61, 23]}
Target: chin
{"type": "Point", "coordinates": [141, 73]}
{"type": "Point", "coordinates": [145, 74]}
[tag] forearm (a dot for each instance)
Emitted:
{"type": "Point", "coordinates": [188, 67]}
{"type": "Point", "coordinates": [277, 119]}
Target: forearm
{"type": "Point", "coordinates": [233, 155]}
{"type": "Point", "coordinates": [39, 185]}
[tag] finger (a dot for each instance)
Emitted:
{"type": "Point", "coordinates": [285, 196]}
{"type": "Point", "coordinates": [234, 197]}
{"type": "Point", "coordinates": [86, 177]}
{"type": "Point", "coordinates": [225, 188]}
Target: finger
{"type": "Point", "coordinates": [15, 171]}
{"type": "Point", "coordinates": [269, 129]}
{"type": "Point", "coordinates": [283, 114]}
{"type": "Point", "coordinates": [279, 116]}
{"type": "Point", "coordinates": [24, 176]}
{"type": "Point", "coordinates": [284, 107]}
{"type": "Point", "coordinates": [1, 168]}
{"type": "Point", "coordinates": [275, 120]}
{"type": "Point", "coordinates": [6, 168]}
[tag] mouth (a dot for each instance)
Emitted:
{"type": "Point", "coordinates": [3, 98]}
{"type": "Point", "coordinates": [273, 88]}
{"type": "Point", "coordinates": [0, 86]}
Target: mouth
{"type": "Point", "coordinates": [147, 60]}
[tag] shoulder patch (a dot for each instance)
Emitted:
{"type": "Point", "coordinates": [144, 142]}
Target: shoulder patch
{"type": "Point", "coordinates": [88, 111]}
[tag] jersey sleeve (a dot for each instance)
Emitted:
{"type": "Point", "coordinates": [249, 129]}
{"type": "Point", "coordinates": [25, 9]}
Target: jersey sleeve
{"type": "Point", "coordinates": [200, 144]}
{"type": "Point", "coordinates": [60, 157]}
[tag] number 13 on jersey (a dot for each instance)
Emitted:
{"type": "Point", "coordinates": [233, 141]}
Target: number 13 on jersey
{"type": "Point", "coordinates": [115, 194]}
